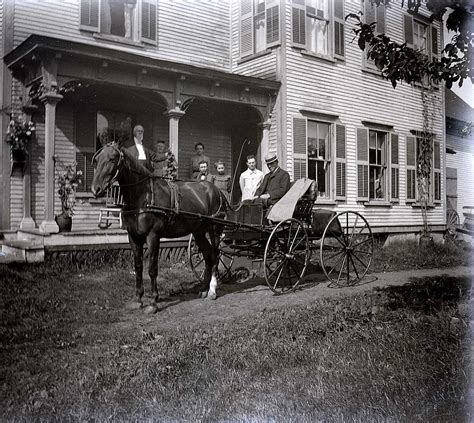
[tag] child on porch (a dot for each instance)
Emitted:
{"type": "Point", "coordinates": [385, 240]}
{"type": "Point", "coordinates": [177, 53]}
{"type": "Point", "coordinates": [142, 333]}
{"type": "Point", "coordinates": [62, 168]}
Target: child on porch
{"type": "Point", "coordinates": [222, 180]}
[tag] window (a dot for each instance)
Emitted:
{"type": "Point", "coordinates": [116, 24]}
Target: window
{"type": "Point", "coordinates": [133, 20]}
{"type": "Point", "coordinates": [421, 35]}
{"type": "Point", "coordinates": [377, 166]}
{"type": "Point", "coordinates": [413, 146]}
{"type": "Point", "coordinates": [259, 25]}
{"type": "Point", "coordinates": [318, 27]}
{"type": "Point", "coordinates": [319, 153]}
{"type": "Point", "coordinates": [374, 14]}
{"type": "Point", "coordinates": [93, 130]}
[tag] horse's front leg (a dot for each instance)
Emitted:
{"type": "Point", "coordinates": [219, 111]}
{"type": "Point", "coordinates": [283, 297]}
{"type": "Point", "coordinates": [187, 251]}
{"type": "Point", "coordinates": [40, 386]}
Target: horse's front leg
{"type": "Point", "coordinates": [137, 247]}
{"type": "Point", "coordinates": [153, 242]}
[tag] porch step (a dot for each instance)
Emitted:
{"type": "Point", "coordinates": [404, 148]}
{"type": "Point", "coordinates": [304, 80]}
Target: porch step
{"type": "Point", "coordinates": [24, 251]}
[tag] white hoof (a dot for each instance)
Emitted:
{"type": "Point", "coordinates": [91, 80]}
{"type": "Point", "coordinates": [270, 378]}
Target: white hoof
{"type": "Point", "coordinates": [151, 309]}
{"type": "Point", "coordinates": [211, 296]}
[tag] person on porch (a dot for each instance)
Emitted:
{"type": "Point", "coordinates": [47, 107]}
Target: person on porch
{"type": "Point", "coordinates": [204, 174]}
{"type": "Point", "coordinates": [275, 184]}
{"type": "Point", "coordinates": [144, 155]}
{"type": "Point", "coordinates": [251, 179]}
{"type": "Point", "coordinates": [222, 180]}
{"type": "Point", "coordinates": [197, 159]}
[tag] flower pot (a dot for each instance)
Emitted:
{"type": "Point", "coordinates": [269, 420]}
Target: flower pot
{"type": "Point", "coordinates": [64, 222]}
{"type": "Point", "coordinates": [18, 155]}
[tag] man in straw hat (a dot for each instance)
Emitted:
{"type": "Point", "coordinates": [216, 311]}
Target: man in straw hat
{"type": "Point", "coordinates": [275, 184]}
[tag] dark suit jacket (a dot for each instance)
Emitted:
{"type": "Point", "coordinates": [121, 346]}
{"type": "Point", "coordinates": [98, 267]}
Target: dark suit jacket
{"type": "Point", "coordinates": [276, 184]}
{"type": "Point", "coordinates": [151, 157]}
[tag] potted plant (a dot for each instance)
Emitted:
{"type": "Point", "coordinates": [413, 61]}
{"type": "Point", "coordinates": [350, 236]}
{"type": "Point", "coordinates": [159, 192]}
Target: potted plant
{"type": "Point", "coordinates": [19, 134]}
{"type": "Point", "coordinates": [68, 178]}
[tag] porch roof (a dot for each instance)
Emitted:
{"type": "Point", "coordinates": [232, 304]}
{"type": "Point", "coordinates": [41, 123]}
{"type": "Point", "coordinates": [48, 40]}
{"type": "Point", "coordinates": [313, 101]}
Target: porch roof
{"type": "Point", "coordinates": [39, 44]}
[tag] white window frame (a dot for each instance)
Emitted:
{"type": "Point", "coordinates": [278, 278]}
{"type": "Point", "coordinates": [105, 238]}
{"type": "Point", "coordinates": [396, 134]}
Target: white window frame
{"type": "Point", "coordinates": [328, 160]}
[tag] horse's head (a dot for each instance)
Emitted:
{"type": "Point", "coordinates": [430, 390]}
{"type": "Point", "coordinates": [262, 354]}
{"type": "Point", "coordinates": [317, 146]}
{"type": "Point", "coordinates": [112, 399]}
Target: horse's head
{"type": "Point", "coordinates": [107, 163]}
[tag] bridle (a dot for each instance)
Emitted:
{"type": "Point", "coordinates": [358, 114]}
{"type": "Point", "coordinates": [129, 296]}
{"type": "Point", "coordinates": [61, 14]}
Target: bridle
{"type": "Point", "coordinates": [119, 164]}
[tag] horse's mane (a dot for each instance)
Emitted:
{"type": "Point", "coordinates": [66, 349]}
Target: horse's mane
{"type": "Point", "coordinates": [133, 164]}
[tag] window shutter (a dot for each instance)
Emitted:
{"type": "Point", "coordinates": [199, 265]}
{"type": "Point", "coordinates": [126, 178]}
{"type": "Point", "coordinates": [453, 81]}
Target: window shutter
{"type": "Point", "coordinates": [90, 15]}
{"type": "Point", "coordinates": [246, 28]}
{"type": "Point", "coordinates": [437, 171]}
{"type": "Point", "coordinates": [272, 13]}
{"type": "Point", "coordinates": [148, 20]}
{"type": "Point", "coordinates": [411, 168]}
{"type": "Point", "coordinates": [408, 27]}
{"type": "Point", "coordinates": [300, 154]}
{"type": "Point", "coordinates": [339, 46]}
{"type": "Point", "coordinates": [434, 42]}
{"type": "Point", "coordinates": [394, 169]}
{"type": "Point", "coordinates": [298, 23]}
{"type": "Point", "coordinates": [380, 13]}
{"type": "Point", "coordinates": [340, 162]}
{"type": "Point", "coordinates": [362, 164]}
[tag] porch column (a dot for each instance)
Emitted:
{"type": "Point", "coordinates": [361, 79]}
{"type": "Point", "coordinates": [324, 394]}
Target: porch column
{"type": "Point", "coordinates": [174, 116]}
{"type": "Point", "coordinates": [49, 99]}
{"type": "Point", "coordinates": [264, 143]}
{"type": "Point", "coordinates": [27, 221]}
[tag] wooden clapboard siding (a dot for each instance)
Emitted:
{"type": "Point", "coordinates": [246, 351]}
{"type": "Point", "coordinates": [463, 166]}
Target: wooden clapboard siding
{"type": "Point", "coordinates": [195, 32]}
{"type": "Point", "coordinates": [343, 89]}
{"type": "Point", "coordinates": [190, 32]}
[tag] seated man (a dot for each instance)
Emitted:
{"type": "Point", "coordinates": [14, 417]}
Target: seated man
{"type": "Point", "coordinates": [275, 184]}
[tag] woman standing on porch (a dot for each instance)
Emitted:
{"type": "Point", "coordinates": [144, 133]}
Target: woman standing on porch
{"type": "Point", "coordinates": [196, 159]}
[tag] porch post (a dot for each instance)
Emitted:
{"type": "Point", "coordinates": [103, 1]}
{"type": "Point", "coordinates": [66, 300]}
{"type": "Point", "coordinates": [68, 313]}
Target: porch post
{"type": "Point", "coordinates": [265, 140]}
{"type": "Point", "coordinates": [174, 116]}
{"type": "Point", "coordinates": [49, 99]}
{"type": "Point", "coordinates": [27, 221]}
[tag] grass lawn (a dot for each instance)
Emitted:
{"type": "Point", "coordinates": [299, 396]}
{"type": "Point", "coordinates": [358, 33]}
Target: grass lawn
{"type": "Point", "coordinates": [70, 351]}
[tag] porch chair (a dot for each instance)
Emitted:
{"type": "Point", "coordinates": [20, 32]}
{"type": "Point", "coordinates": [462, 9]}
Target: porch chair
{"type": "Point", "coordinates": [112, 212]}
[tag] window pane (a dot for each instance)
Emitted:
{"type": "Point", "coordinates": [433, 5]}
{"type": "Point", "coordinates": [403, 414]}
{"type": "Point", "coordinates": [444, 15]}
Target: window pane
{"type": "Point", "coordinates": [321, 179]}
{"type": "Point", "coordinates": [260, 34]}
{"type": "Point", "coordinates": [318, 27]}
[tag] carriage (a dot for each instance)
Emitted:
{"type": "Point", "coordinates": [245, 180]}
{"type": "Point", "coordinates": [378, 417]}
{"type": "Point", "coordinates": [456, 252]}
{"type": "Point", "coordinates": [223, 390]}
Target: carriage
{"type": "Point", "coordinates": [283, 238]}
{"type": "Point", "coordinates": [286, 239]}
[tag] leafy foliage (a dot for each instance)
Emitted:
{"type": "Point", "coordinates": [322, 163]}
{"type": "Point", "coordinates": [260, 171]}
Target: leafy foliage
{"type": "Point", "coordinates": [401, 63]}
{"type": "Point", "coordinates": [19, 134]}
{"type": "Point", "coordinates": [68, 179]}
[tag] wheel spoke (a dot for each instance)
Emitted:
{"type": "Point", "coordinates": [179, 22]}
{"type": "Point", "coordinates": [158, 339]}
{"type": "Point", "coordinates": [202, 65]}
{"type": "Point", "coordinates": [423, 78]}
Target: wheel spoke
{"type": "Point", "coordinates": [362, 251]}
{"type": "Point", "coordinates": [339, 252]}
{"type": "Point", "coordinates": [354, 266]}
{"type": "Point", "coordinates": [353, 230]}
{"type": "Point", "coordinates": [368, 239]}
{"type": "Point", "coordinates": [342, 268]}
{"type": "Point", "coordinates": [360, 261]}
{"type": "Point", "coordinates": [339, 260]}
{"type": "Point", "coordinates": [278, 278]}
{"type": "Point", "coordinates": [274, 270]}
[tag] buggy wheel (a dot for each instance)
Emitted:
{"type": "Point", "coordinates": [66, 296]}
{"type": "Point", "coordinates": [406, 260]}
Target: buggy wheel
{"type": "Point", "coordinates": [198, 265]}
{"type": "Point", "coordinates": [452, 223]}
{"type": "Point", "coordinates": [347, 248]}
{"type": "Point", "coordinates": [286, 256]}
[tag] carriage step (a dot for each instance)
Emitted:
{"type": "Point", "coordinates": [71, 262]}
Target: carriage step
{"type": "Point", "coordinates": [24, 251]}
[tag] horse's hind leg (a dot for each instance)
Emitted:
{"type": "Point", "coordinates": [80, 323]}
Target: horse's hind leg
{"type": "Point", "coordinates": [153, 242]}
{"type": "Point", "coordinates": [137, 248]}
{"type": "Point", "coordinates": [210, 258]}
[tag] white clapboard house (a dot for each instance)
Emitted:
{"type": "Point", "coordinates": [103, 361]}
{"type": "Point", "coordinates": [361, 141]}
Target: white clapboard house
{"type": "Point", "coordinates": [250, 76]}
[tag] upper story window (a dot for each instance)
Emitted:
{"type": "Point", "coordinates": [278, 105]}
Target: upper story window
{"type": "Point", "coordinates": [318, 27]}
{"type": "Point", "coordinates": [421, 35]}
{"type": "Point", "coordinates": [319, 153]}
{"type": "Point", "coordinates": [131, 20]}
{"type": "Point", "coordinates": [259, 26]}
{"type": "Point", "coordinates": [374, 14]}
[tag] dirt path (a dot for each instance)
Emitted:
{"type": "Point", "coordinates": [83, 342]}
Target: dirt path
{"type": "Point", "coordinates": [252, 297]}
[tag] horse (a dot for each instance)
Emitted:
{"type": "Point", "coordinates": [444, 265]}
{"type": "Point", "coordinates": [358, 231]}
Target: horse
{"type": "Point", "coordinates": [155, 207]}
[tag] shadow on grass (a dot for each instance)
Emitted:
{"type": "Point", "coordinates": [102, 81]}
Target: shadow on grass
{"type": "Point", "coordinates": [428, 294]}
